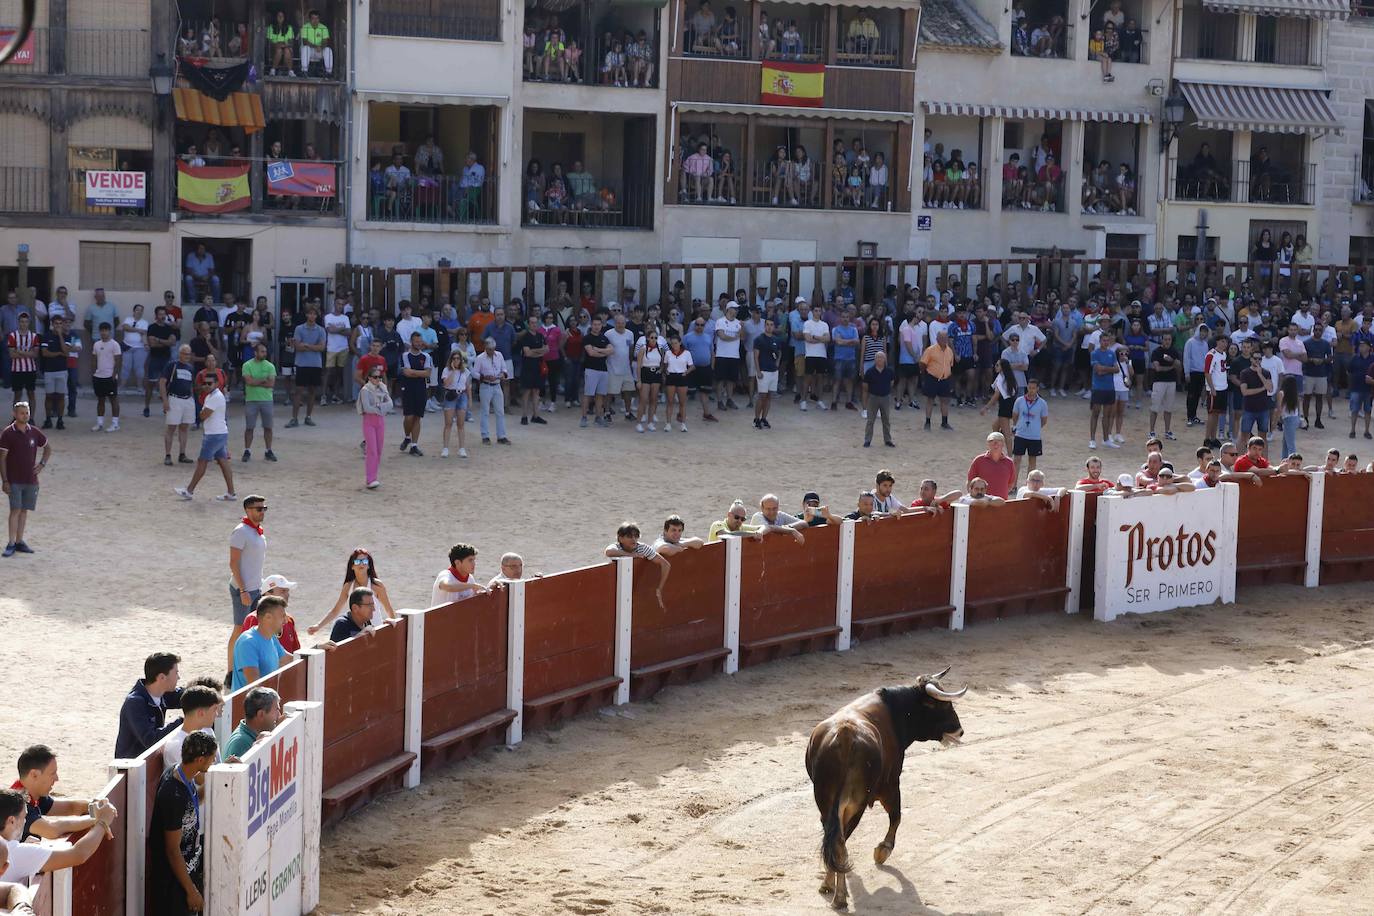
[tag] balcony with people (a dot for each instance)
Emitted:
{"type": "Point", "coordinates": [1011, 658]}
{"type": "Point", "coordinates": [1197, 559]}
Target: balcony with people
{"type": "Point", "coordinates": [293, 172]}
{"type": "Point", "coordinates": [1117, 37]}
{"type": "Point", "coordinates": [587, 171]}
{"type": "Point", "coordinates": [1041, 29]}
{"type": "Point", "coordinates": [1111, 169]}
{"type": "Point", "coordinates": [302, 41]}
{"type": "Point", "coordinates": [1204, 167]}
{"type": "Point", "coordinates": [1210, 168]}
{"type": "Point", "coordinates": [592, 44]}
{"type": "Point", "coordinates": [952, 163]}
{"type": "Point", "coordinates": [1033, 172]}
{"type": "Point", "coordinates": [431, 164]}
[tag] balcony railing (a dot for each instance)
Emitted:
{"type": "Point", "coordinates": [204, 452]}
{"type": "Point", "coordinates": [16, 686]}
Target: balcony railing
{"type": "Point", "coordinates": [634, 66]}
{"type": "Point", "coordinates": [804, 43]}
{"type": "Point", "coordinates": [1281, 185]}
{"type": "Point", "coordinates": [437, 199]}
{"type": "Point", "coordinates": [454, 20]}
{"type": "Point", "coordinates": [880, 48]}
{"type": "Point", "coordinates": [1034, 195]}
{"type": "Point", "coordinates": [109, 53]}
{"type": "Point", "coordinates": [773, 187]}
{"type": "Point", "coordinates": [24, 189]}
{"type": "Point", "coordinates": [1048, 42]}
{"type": "Point", "coordinates": [1278, 40]}
{"type": "Point", "coordinates": [1127, 52]}
{"type": "Point", "coordinates": [624, 205]}
{"type": "Point", "coordinates": [1364, 178]}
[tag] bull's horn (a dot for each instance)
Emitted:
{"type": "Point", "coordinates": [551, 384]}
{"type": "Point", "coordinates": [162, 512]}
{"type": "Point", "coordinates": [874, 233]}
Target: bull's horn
{"type": "Point", "coordinates": [935, 691]}
{"type": "Point", "coordinates": [936, 677]}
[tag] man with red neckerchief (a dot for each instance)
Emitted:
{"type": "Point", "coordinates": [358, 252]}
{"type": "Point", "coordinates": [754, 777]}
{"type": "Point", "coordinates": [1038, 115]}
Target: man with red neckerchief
{"type": "Point", "coordinates": [247, 554]}
{"type": "Point", "coordinates": [458, 580]}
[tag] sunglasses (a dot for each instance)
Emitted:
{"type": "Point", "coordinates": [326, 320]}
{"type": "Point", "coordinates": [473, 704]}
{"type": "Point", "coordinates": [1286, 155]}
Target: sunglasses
{"type": "Point", "coordinates": [257, 508]}
{"type": "Point", "coordinates": [360, 561]}
{"type": "Point", "coordinates": [738, 518]}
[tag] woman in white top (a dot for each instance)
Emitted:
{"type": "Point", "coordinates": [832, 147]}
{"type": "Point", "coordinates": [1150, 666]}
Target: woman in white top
{"type": "Point", "coordinates": [456, 381]}
{"type": "Point", "coordinates": [678, 365]}
{"type": "Point", "coordinates": [877, 182]}
{"type": "Point", "coordinates": [1003, 397]}
{"type": "Point", "coordinates": [1122, 382]}
{"type": "Point", "coordinates": [359, 572]}
{"type": "Point", "coordinates": [649, 360]}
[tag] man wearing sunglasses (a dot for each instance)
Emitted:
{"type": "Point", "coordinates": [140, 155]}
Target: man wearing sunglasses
{"type": "Point", "coordinates": [247, 555]}
{"type": "Point", "coordinates": [733, 525]}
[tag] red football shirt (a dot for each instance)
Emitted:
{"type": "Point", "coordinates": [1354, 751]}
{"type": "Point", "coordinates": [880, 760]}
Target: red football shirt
{"type": "Point", "coordinates": [998, 474]}
{"type": "Point", "coordinates": [1246, 463]}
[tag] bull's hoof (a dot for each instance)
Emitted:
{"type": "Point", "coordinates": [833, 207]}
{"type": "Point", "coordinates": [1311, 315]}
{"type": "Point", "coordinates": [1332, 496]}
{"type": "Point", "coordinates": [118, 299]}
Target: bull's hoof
{"type": "Point", "coordinates": [840, 903]}
{"type": "Point", "coordinates": [881, 852]}
{"type": "Point", "coordinates": [826, 890]}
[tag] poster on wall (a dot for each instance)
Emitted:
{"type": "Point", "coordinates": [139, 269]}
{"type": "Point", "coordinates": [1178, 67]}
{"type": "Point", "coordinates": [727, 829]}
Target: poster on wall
{"type": "Point", "coordinates": [116, 189]}
{"type": "Point", "coordinates": [23, 55]}
{"type": "Point", "coordinates": [301, 179]}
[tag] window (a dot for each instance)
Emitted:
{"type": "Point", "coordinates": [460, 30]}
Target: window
{"type": "Point", "coordinates": [465, 20]}
{"type": "Point", "coordinates": [1362, 246]}
{"type": "Point", "coordinates": [1187, 248]}
{"type": "Point", "coordinates": [115, 265]}
{"type": "Point", "coordinates": [1283, 40]}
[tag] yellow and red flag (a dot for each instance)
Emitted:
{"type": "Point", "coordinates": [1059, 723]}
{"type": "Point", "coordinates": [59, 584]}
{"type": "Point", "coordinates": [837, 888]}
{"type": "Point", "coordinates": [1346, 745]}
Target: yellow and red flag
{"type": "Point", "coordinates": [788, 82]}
{"type": "Point", "coordinates": [212, 189]}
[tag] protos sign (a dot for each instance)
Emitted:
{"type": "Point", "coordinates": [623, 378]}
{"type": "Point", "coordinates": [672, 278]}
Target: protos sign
{"type": "Point", "coordinates": [1157, 553]}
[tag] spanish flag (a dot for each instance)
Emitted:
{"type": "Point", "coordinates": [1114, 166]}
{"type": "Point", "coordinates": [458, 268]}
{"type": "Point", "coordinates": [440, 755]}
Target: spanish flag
{"type": "Point", "coordinates": [212, 189]}
{"type": "Point", "coordinates": [791, 83]}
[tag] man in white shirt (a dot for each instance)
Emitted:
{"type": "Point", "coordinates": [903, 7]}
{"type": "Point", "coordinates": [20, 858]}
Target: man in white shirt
{"type": "Point", "coordinates": [725, 365]}
{"type": "Point", "coordinates": [1032, 338]}
{"type": "Point", "coordinates": [21, 861]}
{"type": "Point", "coordinates": [816, 334]}
{"type": "Point", "coordinates": [1305, 320]}
{"type": "Point", "coordinates": [134, 336]}
{"type": "Point", "coordinates": [490, 370]}
{"type": "Point", "coordinates": [214, 442]}
{"type": "Point", "coordinates": [618, 373]}
{"type": "Point", "coordinates": [337, 328]}
{"type": "Point", "coordinates": [408, 324]}
{"type": "Point", "coordinates": [105, 357]}
{"type": "Point", "coordinates": [458, 580]}
{"type": "Point", "coordinates": [200, 706]}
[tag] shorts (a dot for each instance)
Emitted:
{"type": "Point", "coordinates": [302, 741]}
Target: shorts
{"type": "Point", "coordinates": [1103, 398]}
{"type": "Point", "coordinates": [155, 366]}
{"type": "Point", "coordinates": [676, 380]}
{"type": "Point", "coordinates": [105, 387]}
{"type": "Point", "coordinates": [1218, 402]}
{"type": "Point", "coordinates": [1005, 406]}
{"type": "Point", "coordinates": [24, 496]}
{"type": "Point", "coordinates": [617, 383]}
{"type": "Point", "coordinates": [908, 370]}
{"type": "Point", "coordinates": [938, 387]}
{"type": "Point", "coordinates": [55, 382]}
{"type": "Point", "coordinates": [23, 381]}
{"type": "Point", "coordinates": [1314, 384]}
{"type": "Point", "coordinates": [241, 610]}
{"type": "Point", "coordinates": [1361, 400]}
{"type": "Point", "coordinates": [649, 376]}
{"type": "Point", "coordinates": [817, 365]}
{"type": "Point", "coordinates": [1122, 396]}
{"type": "Point", "coordinates": [336, 360]}
{"type": "Point", "coordinates": [413, 401]}
{"type": "Point", "coordinates": [1023, 446]}
{"type": "Point", "coordinates": [1162, 397]}
{"type": "Point", "coordinates": [253, 411]}
{"type": "Point", "coordinates": [701, 378]}
{"type": "Point", "coordinates": [180, 411]}
{"type": "Point", "coordinates": [768, 382]}
{"type": "Point", "coordinates": [1063, 356]}
{"type": "Point", "coordinates": [455, 400]}
{"type": "Point", "coordinates": [845, 368]}
{"type": "Point", "coordinates": [726, 369]}
{"type": "Point", "coordinates": [214, 447]}
{"type": "Point", "coordinates": [964, 364]}
{"type": "Point", "coordinates": [309, 376]}
{"type": "Point", "coordinates": [530, 376]}
{"type": "Point", "coordinates": [594, 382]}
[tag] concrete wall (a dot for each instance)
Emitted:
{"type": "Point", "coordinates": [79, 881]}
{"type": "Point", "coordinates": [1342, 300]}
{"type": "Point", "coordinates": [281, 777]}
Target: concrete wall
{"type": "Point", "coordinates": [1351, 76]}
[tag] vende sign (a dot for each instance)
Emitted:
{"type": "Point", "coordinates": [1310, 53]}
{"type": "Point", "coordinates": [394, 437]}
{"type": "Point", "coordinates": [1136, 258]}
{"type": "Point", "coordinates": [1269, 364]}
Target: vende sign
{"type": "Point", "coordinates": [116, 189]}
{"type": "Point", "coordinates": [1157, 553]}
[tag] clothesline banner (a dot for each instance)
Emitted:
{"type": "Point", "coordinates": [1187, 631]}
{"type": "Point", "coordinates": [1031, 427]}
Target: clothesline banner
{"type": "Point", "coordinates": [301, 179]}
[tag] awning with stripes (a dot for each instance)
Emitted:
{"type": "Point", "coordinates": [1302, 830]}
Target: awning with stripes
{"type": "Point", "coordinates": [1297, 9]}
{"type": "Point", "coordinates": [1271, 109]}
{"type": "Point", "coordinates": [1021, 112]}
{"type": "Point", "coordinates": [241, 109]}
{"type": "Point", "coordinates": [783, 111]}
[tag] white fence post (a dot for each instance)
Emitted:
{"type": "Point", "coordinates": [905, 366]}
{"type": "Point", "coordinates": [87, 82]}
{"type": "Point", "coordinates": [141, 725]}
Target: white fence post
{"type": "Point", "coordinates": [415, 690]}
{"type": "Point", "coordinates": [312, 785]}
{"type": "Point", "coordinates": [734, 554]}
{"type": "Point", "coordinates": [1230, 535]}
{"type": "Point", "coordinates": [1102, 610]}
{"type": "Point", "coordinates": [134, 820]}
{"type": "Point", "coordinates": [62, 892]}
{"type": "Point", "coordinates": [314, 673]}
{"type": "Point", "coordinates": [958, 566]}
{"type": "Point", "coordinates": [844, 588]}
{"type": "Point", "coordinates": [624, 625]}
{"type": "Point", "coordinates": [515, 660]}
{"type": "Point", "coordinates": [226, 835]}
{"type": "Point", "coordinates": [224, 722]}
{"type": "Point", "coordinates": [1073, 573]}
{"type": "Point", "coordinates": [1316, 499]}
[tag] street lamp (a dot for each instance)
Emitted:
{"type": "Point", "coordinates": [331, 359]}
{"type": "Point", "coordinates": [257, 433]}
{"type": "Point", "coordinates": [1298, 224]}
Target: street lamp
{"type": "Point", "coordinates": [161, 76]}
{"type": "Point", "coordinates": [1175, 111]}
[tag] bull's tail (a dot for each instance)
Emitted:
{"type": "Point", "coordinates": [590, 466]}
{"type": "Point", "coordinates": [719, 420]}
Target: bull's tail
{"type": "Point", "coordinates": [833, 853]}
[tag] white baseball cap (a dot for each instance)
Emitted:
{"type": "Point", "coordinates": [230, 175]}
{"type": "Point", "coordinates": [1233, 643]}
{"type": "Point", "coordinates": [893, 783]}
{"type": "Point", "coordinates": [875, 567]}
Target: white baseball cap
{"type": "Point", "coordinates": [277, 581]}
{"type": "Point", "coordinates": [800, 300]}
{"type": "Point", "coordinates": [1127, 481]}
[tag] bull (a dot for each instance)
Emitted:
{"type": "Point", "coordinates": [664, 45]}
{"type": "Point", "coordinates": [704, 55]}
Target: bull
{"type": "Point", "coordinates": [854, 758]}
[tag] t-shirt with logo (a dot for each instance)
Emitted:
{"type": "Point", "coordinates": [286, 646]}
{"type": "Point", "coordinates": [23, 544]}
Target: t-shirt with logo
{"type": "Point", "coordinates": [105, 352]}
{"type": "Point", "coordinates": [175, 808]}
{"type": "Point", "coordinates": [21, 452]}
{"type": "Point", "coordinates": [1214, 364]}
{"type": "Point", "coordinates": [767, 350]}
{"type": "Point", "coordinates": [728, 349]}
{"type": "Point", "coordinates": [416, 361]}
{"type": "Point", "coordinates": [180, 379]}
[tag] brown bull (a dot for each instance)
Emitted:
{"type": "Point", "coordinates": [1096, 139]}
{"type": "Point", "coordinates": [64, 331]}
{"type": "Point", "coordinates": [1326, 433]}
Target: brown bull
{"type": "Point", "coordinates": [854, 759]}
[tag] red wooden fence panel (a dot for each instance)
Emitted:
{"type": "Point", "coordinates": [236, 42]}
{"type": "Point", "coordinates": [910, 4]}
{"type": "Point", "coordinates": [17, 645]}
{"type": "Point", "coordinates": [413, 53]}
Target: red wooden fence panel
{"type": "Point", "coordinates": [364, 719]}
{"type": "Point", "coordinates": [901, 574]}
{"type": "Point", "coordinates": [1271, 541]}
{"type": "Point", "coordinates": [98, 883]}
{"type": "Point", "coordinates": [152, 770]}
{"type": "Point", "coordinates": [1017, 555]}
{"type": "Point", "coordinates": [288, 680]}
{"type": "Point", "coordinates": [464, 691]}
{"type": "Point", "coordinates": [685, 638]}
{"type": "Point", "coordinates": [1347, 528]}
{"type": "Point", "coordinates": [787, 594]}
{"type": "Point", "coordinates": [569, 643]}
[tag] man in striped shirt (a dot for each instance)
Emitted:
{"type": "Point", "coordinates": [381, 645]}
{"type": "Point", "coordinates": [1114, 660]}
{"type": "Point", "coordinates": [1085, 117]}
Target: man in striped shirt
{"type": "Point", "coordinates": [23, 349]}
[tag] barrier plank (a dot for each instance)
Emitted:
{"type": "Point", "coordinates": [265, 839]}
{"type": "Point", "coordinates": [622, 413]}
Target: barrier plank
{"type": "Point", "coordinates": [152, 774]}
{"type": "Point", "coordinates": [787, 595]}
{"type": "Point", "coordinates": [364, 719]}
{"type": "Point", "coordinates": [1348, 529]}
{"type": "Point", "coordinates": [569, 643]}
{"type": "Point", "coordinates": [288, 681]}
{"type": "Point", "coordinates": [901, 574]}
{"type": "Point", "coordinates": [464, 682]}
{"type": "Point", "coordinates": [1087, 582]}
{"type": "Point", "coordinates": [683, 640]}
{"type": "Point", "coordinates": [1016, 560]}
{"type": "Point", "coordinates": [98, 883]}
{"type": "Point", "coordinates": [1272, 532]}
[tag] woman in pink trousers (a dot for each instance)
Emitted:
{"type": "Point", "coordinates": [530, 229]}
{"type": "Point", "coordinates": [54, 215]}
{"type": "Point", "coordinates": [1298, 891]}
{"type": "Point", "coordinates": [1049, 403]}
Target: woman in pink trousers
{"type": "Point", "coordinates": [373, 403]}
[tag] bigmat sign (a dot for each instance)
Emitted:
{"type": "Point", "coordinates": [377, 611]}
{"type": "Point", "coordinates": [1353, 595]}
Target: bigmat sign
{"type": "Point", "coordinates": [1157, 553]}
{"type": "Point", "coordinates": [263, 835]}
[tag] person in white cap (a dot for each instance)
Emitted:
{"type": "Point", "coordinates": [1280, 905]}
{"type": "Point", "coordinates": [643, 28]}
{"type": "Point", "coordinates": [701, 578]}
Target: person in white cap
{"type": "Point", "coordinates": [280, 586]}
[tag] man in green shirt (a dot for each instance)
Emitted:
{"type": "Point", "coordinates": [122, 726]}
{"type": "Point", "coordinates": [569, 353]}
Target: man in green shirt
{"type": "Point", "coordinates": [261, 714]}
{"type": "Point", "coordinates": [733, 525]}
{"type": "Point", "coordinates": [259, 379]}
{"type": "Point", "coordinates": [315, 45]}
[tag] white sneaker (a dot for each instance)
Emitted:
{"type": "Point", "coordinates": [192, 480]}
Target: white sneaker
{"type": "Point", "coordinates": [1120, 439]}
{"type": "Point", "coordinates": [98, 428]}
{"type": "Point", "coordinates": [374, 484]}
{"type": "Point", "coordinates": [183, 493]}
{"type": "Point", "coordinates": [863, 414]}
{"type": "Point", "coordinates": [444, 453]}
{"type": "Point", "coordinates": [682, 426]}
{"type": "Point", "coordinates": [668, 426]}
{"type": "Point", "coordinates": [1087, 394]}
{"type": "Point", "coordinates": [1110, 444]}
{"type": "Point", "coordinates": [1092, 443]}
{"type": "Point", "coordinates": [803, 405]}
{"type": "Point", "coordinates": [822, 405]}
{"type": "Point", "coordinates": [639, 427]}
{"type": "Point", "coordinates": [653, 427]}
{"type": "Point", "coordinates": [462, 453]}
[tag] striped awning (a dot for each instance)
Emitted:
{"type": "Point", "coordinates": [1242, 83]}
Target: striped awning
{"type": "Point", "coordinates": [1297, 9]}
{"type": "Point", "coordinates": [1270, 109]}
{"type": "Point", "coordinates": [241, 109]}
{"type": "Point", "coordinates": [1023, 112]}
{"type": "Point", "coordinates": [783, 111]}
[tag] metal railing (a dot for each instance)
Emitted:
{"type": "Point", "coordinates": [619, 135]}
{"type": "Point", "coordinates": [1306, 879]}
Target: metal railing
{"type": "Point", "coordinates": [1033, 195]}
{"type": "Point", "coordinates": [111, 53]}
{"type": "Point", "coordinates": [1189, 183]}
{"type": "Point", "coordinates": [1049, 40]}
{"type": "Point", "coordinates": [1281, 183]}
{"type": "Point", "coordinates": [1127, 52]}
{"type": "Point", "coordinates": [440, 199]}
{"type": "Point", "coordinates": [24, 189]}
{"type": "Point", "coordinates": [786, 187]}
{"type": "Point", "coordinates": [1209, 35]}
{"type": "Point", "coordinates": [602, 205]}
{"type": "Point", "coordinates": [635, 65]}
{"type": "Point", "coordinates": [454, 20]}
{"type": "Point", "coordinates": [880, 48]}
{"type": "Point", "coordinates": [804, 43]}
{"type": "Point", "coordinates": [1284, 40]}
{"type": "Point", "coordinates": [726, 39]}
{"type": "Point", "coordinates": [77, 205]}
{"type": "Point", "coordinates": [1364, 175]}
{"type": "Point", "coordinates": [220, 38]}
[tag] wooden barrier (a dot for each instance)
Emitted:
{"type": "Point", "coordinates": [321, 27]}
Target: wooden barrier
{"type": "Point", "coordinates": [570, 621]}
{"type": "Point", "coordinates": [464, 682]}
{"type": "Point", "coordinates": [1087, 581]}
{"type": "Point", "coordinates": [1016, 560]}
{"type": "Point", "coordinates": [98, 883]}
{"type": "Point", "coordinates": [1272, 532]}
{"type": "Point", "coordinates": [364, 719]}
{"type": "Point", "coordinates": [901, 574]}
{"type": "Point", "coordinates": [1347, 547]}
{"type": "Point", "coordinates": [152, 769]}
{"type": "Point", "coordinates": [288, 681]}
{"type": "Point", "coordinates": [685, 639]}
{"type": "Point", "coordinates": [787, 595]}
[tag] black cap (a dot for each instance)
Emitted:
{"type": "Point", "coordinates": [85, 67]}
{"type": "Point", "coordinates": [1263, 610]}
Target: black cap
{"type": "Point", "coordinates": [810, 495]}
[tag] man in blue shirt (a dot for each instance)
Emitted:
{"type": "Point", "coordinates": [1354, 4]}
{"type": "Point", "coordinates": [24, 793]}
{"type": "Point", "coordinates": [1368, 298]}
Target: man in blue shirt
{"type": "Point", "coordinates": [1104, 368]}
{"type": "Point", "coordinates": [1316, 372]}
{"type": "Point", "coordinates": [845, 338]}
{"type": "Point", "coordinates": [1065, 329]}
{"type": "Point", "coordinates": [1361, 371]}
{"type": "Point", "coordinates": [200, 268]}
{"type": "Point", "coordinates": [258, 652]}
{"type": "Point", "coordinates": [1029, 416]}
{"type": "Point", "coordinates": [470, 190]}
{"type": "Point", "coordinates": [767, 351]}
{"type": "Point", "coordinates": [796, 319]}
{"type": "Point", "coordinates": [309, 347]}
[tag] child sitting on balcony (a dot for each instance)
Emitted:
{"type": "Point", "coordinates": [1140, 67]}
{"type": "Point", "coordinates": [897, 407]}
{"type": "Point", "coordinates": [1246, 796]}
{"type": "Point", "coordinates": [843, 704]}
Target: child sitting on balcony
{"type": "Point", "coordinates": [791, 41]}
{"type": "Point", "coordinates": [613, 70]}
{"type": "Point", "coordinates": [1097, 49]}
{"type": "Point", "coordinates": [766, 42]}
{"type": "Point", "coordinates": [572, 59]}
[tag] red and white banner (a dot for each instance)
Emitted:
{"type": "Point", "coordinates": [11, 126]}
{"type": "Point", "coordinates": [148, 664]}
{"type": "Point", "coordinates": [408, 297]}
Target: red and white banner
{"type": "Point", "coordinates": [23, 56]}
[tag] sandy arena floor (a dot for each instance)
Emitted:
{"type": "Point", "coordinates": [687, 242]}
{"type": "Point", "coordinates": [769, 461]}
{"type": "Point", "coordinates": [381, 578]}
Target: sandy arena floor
{"type": "Point", "coordinates": [1193, 762]}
